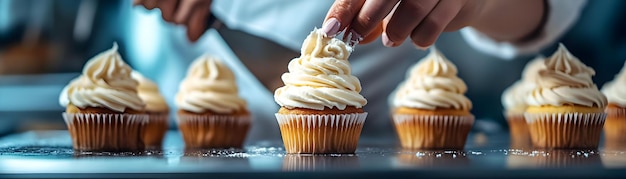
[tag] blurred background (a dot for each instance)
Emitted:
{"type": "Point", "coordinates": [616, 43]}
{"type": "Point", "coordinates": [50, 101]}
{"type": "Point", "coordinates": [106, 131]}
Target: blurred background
{"type": "Point", "coordinates": [45, 43]}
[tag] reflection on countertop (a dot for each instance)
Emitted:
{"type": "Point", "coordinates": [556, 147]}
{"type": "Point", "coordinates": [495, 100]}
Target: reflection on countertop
{"type": "Point", "coordinates": [52, 149]}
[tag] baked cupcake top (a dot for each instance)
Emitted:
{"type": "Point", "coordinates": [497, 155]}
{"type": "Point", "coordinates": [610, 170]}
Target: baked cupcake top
{"type": "Point", "coordinates": [105, 83]}
{"type": "Point", "coordinates": [320, 78]}
{"type": "Point", "coordinates": [615, 90]}
{"type": "Point", "coordinates": [209, 87]}
{"type": "Point", "coordinates": [514, 97]}
{"type": "Point", "coordinates": [565, 81]}
{"type": "Point", "coordinates": [432, 84]}
{"type": "Point", "coordinates": [150, 94]}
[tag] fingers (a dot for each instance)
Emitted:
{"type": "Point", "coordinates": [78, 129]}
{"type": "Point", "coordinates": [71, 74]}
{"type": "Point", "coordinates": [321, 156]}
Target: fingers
{"type": "Point", "coordinates": [435, 22]}
{"type": "Point", "coordinates": [340, 15]}
{"type": "Point", "coordinates": [191, 13]}
{"type": "Point", "coordinates": [150, 4]}
{"type": "Point", "coordinates": [168, 9]}
{"type": "Point", "coordinates": [137, 2]}
{"type": "Point", "coordinates": [373, 35]}
{"type": "Point", "coordinates": [197, 24]}
{"type": "Point", "coordinates": [371, 15]}
{"type": "Point", "coordinates": [421, 20]}
{"type": "Point", "coordinates": [359, 16]}
{"type": "Point", "coordinates": [184, 11]}
{"type": "Point", "coordinates": [406, 17]}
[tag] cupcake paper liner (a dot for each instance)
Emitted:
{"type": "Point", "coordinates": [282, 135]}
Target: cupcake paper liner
{"type": "Point", "coordinates": [216, 131]}
{"type": "Point", "coordinates": [615, 125]}
{"type": "Point", "coordinates": [321, 134]}
{"type": "Point", "coordinates": [565, 130]}
{"type": "Point", "coordinates": [518, 131]}
{"type": "Point", "coordinates": [432, 131]}
{"type": "Point", "coordinates": [106, 132]}
{"type": "Point", "coordinates": [155, 130]}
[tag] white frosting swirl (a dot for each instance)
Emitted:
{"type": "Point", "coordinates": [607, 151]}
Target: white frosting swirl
{"type": "Point", "coordinates": [150, 94]}
{"type": "Point", "coordinates": [64, 98]}
{"type": "Point", "coordinates": [514, 97]}
{"type": "Point", "coordinates": [320, 78]}
{"type": "Point", "coordinates": [566, 80]}
{"type": "Point", "coordinates": [615, 90]}
{"type": "Point", "coordinates": [209, 86]}
{"type": "Point", "coordinates": [433, 83]}
{"type": "Point", "coordinates": [105, 82]}
{"type": "Point", "coordinates": [531, 70]}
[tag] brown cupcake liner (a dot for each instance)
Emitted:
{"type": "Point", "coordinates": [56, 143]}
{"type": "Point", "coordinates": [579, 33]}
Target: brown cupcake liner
{"type": "Point", "coordinates": [106, 132]}
{"type": "Point", "coordinates": [615, 125]}
{"type": "Point", "coordinates": [155, 130]}
{"type": "Point", "coordinates": [565, 130]}
{"type": "Point", "coordinates": [616, 112]}
{"type": "Point", "coordinates": [321, 134]}
{"type": "Point", "coordinates": [300, 162]}
{"type": "Point", "coordinates": [432, 132]}
{"type": "Point", "coordinates": [518, 131]}
{"type": "Point", "coordinates": [215, 131]}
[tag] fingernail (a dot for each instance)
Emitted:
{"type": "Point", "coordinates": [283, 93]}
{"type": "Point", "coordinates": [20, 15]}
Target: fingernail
{"type": "Point", "coordinates": [386, 41]}
{"type": "Point", "coordinates": [355, 37]}
{"type": "Point", "coordinates": [331, 27]}
{"type": "Point", "coordinates": [421, 48]}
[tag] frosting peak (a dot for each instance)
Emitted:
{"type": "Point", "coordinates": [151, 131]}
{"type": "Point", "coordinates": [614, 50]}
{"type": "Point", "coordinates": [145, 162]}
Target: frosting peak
{"type": "Point", "coordinates": [436, 65]}
{"type": "Point", "coordinates": [320, 78]}
{"type": "Point", "coordinates": [209, 85]}
{"type": "Point", "coordinates": [564, 62]}
{"type": "Point", "coordinates": [105, 82]}
{"type": "Point", "coordinates": [566, 80]}
{"type": "Point", "coordinates": [432, 83]}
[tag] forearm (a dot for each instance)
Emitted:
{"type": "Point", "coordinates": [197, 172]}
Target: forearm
{"type": "Point", "coordinates": [511, 20]}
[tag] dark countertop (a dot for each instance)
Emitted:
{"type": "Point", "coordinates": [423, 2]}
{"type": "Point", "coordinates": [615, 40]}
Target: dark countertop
{"type": "Point", "coordinates": [49, 154]}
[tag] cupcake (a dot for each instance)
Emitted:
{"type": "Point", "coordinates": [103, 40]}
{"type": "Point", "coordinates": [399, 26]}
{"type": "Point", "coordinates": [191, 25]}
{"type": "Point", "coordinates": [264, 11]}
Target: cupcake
{"type": "Point", "coordinates": [211, 114]}
{"type": "Point", "coordinates": [615, 125]}
{"type": "Point", "coordinates": [321, 108]}
{"type": "Point", "coordinates": [430, 108]}
{"type": "Point", "coordinates": [156, 108]}
{"type": "Point", "coordinates": [514, 102]}
{"type": "Point", "coordinates": [566, 109]}
{"type": "Point", "coordinates": [103, 110]}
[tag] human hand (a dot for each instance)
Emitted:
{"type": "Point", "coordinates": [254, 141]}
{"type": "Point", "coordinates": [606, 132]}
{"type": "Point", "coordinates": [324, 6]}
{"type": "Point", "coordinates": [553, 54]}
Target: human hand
{"type": "Point", "coordinates": [421, 20]}
{"type": "Point", "coordinates": [193, 14]}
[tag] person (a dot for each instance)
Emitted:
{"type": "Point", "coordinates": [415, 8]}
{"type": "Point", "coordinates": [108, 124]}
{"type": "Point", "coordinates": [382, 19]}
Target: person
{"type": "Point", "coordinates": [504, 29]}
